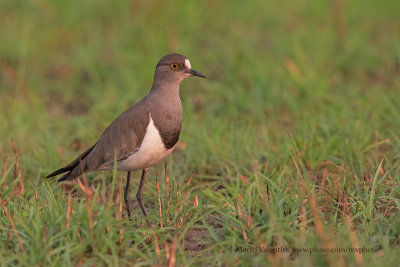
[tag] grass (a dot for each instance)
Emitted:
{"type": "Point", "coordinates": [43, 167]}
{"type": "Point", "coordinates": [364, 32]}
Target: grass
{"type": "Point", "coordinates": [292, 142]}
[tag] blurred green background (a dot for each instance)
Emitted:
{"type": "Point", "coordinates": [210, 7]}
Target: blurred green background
{"type": "Point", "coordinates": [317, 81]}
{"type": "Point", "coordinates": [317, 68]}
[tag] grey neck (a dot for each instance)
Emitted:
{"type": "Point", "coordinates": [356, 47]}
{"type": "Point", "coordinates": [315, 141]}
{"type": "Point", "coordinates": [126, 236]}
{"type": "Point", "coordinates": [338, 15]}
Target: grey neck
{"type": "Point", "coordinates": [165, 85]}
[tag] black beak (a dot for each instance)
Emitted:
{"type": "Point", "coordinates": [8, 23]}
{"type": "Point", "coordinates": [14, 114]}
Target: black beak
{"type": "Point", "coordinates": [196, 73]}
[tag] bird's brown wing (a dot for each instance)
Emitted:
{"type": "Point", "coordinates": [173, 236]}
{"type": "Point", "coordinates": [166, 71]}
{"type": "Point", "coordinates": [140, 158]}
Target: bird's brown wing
{"type": "Point", "coordinates": [120, 139]}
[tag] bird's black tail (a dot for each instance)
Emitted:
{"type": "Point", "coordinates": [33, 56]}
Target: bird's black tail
{"type": "Point", "coordinates": [62, 170]}
{"type": "Point", "coordinates": [70, 166]}
{"type": "Point", "coordinates": [65, 177]}
{"type": "Point", "coordinates": [59, 171]}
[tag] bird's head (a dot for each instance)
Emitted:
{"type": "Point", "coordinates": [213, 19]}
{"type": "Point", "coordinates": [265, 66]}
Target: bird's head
{"type": "Point", "coordinates": [175, 67]}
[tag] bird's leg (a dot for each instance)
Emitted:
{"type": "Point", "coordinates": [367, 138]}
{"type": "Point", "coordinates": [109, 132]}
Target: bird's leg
{"type": "Point", "coordinates": [139, 196]}
{"type": "Point", "coordinates": [126, 193]}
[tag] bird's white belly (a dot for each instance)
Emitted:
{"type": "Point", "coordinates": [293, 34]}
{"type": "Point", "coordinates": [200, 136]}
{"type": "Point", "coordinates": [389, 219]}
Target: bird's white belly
{"type": "Point", "coordinates": [151, 151]}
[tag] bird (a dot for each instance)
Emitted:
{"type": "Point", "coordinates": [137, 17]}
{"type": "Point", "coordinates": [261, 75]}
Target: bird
{"type": "Point", "coordinates": [143, 135]}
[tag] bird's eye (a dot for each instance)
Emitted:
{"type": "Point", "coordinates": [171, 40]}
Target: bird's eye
{"type": "Point", "coordinates": [174, 66]}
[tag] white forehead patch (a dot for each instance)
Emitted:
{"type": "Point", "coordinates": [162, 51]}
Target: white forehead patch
{"type": "Point", "coordinates": [187, 64]}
